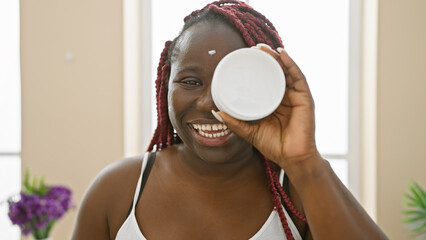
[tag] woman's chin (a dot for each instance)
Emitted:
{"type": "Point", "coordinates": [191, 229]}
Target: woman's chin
{"type": "Point", "coordinates": [216, 149]}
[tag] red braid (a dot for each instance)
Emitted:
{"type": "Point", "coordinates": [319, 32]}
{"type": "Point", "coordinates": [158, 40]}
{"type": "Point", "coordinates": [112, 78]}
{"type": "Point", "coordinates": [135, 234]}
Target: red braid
{"type": "Point", "coordinates": [276, 200]}
{"type": "Point", "coordinates": [287, 199]}
{"type": "Point", "coordinates": [237, 22]}
{"type": "Point", "coordinates": [254, 28]}
{"type": "Point", "coordinates": [160, 135]}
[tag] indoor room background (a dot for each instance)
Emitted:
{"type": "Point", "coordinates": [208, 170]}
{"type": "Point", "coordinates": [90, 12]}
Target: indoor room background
{"type": "Point", "coordinates": [76, 91]}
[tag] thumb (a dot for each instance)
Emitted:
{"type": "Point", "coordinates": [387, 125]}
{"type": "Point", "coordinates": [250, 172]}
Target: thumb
{"type": "Point", "coordinates": [241, 128]}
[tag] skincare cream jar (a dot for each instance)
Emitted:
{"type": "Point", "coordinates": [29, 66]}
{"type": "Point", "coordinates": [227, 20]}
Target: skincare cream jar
{"type": "Point", "coordinates": [248, 84]}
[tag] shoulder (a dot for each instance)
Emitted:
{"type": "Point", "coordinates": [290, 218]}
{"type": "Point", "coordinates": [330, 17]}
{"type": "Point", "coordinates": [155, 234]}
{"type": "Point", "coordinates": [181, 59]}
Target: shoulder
{"type": "Point", "coordinates": [107, 200]}
{"type": "Point", "coordinates": [118, 175]}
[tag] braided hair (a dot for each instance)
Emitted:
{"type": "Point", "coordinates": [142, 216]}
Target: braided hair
{"type": "Point", "coordinates": [254, 28]}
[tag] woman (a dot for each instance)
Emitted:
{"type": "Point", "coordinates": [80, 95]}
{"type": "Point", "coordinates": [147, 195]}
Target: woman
{"type": "Point", "coordinates": [228, 184]}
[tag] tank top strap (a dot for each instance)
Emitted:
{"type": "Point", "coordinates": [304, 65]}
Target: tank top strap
{"type": "Point", "coordinates": [138, 187]}
{"type": "Point", "coordinates": [282, 173]}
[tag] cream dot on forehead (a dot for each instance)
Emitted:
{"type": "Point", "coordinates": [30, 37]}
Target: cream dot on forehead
{"type": "Point", "coordinates": [212, 52]}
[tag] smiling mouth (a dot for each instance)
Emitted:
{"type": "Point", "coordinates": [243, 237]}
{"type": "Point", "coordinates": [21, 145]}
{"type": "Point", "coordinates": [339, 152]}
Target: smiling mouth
{"type": "Point", "coordinates": [212, 130]}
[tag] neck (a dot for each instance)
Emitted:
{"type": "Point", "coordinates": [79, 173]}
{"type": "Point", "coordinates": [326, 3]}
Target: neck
{"type": "Point", "coordinates": [230, 172]}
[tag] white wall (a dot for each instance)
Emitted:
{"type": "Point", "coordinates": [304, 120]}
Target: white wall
{"type": "Point", "coordinates": [72, 111]}
{"type": "Point", "coordinates": [401, 110]}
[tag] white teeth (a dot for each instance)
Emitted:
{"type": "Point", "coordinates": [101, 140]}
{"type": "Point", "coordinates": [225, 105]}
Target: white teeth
{"type": "Point", "coordinates": [211, 127]}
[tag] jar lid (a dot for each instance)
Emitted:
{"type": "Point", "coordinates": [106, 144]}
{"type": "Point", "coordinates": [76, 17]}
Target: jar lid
{"type": "Point", "coordinates": [248, 84]}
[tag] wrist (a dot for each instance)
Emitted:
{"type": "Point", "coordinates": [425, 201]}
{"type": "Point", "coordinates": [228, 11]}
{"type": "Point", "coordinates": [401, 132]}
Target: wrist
{"type": "Point", "coordinates": [304, 169]}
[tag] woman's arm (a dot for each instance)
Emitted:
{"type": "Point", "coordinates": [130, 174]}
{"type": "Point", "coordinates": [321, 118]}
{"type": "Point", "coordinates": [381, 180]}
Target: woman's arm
{"type": "Point", "coordinates": [287, 137]}
{"type": "Point", "coordinates": [331, 210]}
{"type": "Point", "coordinates": [106, 203]}
{"type": "Point", "coordinates": [92, 220]}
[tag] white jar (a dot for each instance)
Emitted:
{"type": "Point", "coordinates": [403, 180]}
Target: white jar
{"type": "Point", "coordinates": [248, 84]}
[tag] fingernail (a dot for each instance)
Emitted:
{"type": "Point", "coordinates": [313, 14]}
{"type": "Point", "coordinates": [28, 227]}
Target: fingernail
{"type": "Point", "coordinates": [217, 116]}
{"type": "Point", "coordinates": [263, 45]}
{"type": "Point", "coordinates": [280, 49]}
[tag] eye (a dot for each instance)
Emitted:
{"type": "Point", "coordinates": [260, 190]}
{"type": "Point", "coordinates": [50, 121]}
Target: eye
{"type": "Point", "coordinates": [191, 82]}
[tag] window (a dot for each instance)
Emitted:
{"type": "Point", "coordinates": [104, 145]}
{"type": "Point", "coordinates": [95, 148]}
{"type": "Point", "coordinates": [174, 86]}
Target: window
{"type": "Point", "coordinates": [10, 113]}
{"type": "Point", "coordinates": [321, 37]}
{"type": "Point", "coordinates": [166, 25]}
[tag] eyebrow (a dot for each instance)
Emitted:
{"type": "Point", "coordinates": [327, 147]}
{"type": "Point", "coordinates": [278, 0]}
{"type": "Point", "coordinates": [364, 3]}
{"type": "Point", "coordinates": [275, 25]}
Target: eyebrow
{"type": "Point", "coordinates": [189, 68]}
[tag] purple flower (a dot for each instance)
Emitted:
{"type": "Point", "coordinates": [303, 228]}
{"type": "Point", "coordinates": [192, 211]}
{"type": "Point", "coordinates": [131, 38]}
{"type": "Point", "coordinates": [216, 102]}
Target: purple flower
{"type": "Point", "coordinates": [38, 212]}
{"type": "Point", "coordinates": [24, 210]}
{"type": "Point", "coordinates": [62, 196]}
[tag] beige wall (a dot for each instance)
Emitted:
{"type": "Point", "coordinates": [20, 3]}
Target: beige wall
{"type": "Point", "coordinates": [72, 117]}
{"type": "Point", "coordinates": [72, 111]}
{"type": "Point", "coordinates": [401, 109]}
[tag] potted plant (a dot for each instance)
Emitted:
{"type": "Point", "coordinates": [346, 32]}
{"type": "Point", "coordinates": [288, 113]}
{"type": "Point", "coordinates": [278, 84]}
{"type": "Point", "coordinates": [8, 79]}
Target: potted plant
{"type": "Point", "coordinates": [39, 207]}
{"type": "Point", "coordinates": [416, 213]}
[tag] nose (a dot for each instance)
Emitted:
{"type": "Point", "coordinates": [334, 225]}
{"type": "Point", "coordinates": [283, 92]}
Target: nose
{"type": "Point", "coordinates": [205, 101]}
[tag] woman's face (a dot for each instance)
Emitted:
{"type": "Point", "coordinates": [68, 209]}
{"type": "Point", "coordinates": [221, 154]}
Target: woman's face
{"type": "Point", "coordinates": [189, 97]}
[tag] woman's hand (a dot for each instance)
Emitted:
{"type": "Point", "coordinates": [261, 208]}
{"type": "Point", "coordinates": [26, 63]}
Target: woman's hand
{"type": "Point", "coordinates": [287, 136]}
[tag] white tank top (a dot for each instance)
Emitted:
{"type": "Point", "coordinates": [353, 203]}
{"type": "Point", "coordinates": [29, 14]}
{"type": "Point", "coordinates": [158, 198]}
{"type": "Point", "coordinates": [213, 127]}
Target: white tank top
{"type": "Point", "coordinates": [271, 230]}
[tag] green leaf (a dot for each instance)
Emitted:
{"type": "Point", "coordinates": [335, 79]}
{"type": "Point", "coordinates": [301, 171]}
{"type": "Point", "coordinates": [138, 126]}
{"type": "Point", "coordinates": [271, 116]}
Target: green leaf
{"type": "Point", "coordinates": [420, 188]}
{"type": "Point", "coordinates": [417, 196]}
{"type": "Point", "coordinates": [27, 181]}
{"type": "Point", "coordinates": [33, 185]}
{"type": "Point", "coordinates": [43, 189]}
{"type": "Point", "coordinates": [409, 212]}
{"type": "Point", "coordinates": [413, 199]}
{"type": "Point", "coordinates": [414, 219]}
{"type": "Point", "coordinates": [410, 204]}
{"type": "Point", "coordinates": [421, 192]}
{"type": "Point", "coordinates": [419, 228]}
